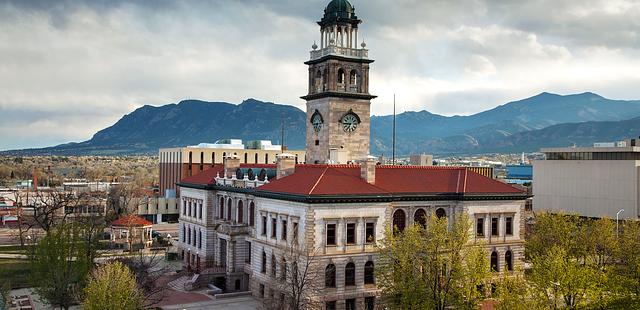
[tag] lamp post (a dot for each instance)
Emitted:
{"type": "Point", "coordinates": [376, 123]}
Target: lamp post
{"type": "Point", "coordinates": [617, 219]}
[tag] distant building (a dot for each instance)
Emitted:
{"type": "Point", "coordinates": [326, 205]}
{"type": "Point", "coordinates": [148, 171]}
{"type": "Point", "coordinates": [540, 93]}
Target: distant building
{"type": "Point", "coordinates": [421, 160]}
{"type": "Point", "coordinates": [519, 174]}
{"type": "Point", "coordinates": [181, 162]}
{"type": "Point", "coordinates": [591, 181]}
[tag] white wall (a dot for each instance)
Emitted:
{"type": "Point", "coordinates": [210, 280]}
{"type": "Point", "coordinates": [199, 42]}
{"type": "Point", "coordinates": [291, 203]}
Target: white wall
{"type": "Point", "coordinates": [592, 188]}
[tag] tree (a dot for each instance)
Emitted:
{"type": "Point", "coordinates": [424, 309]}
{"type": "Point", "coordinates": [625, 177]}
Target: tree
{"type": "Point", "coordinates": [51, 207]}
{"type": "Point", "coordinates": [112, 286]}
{"type": "Point", "coordinates": [629, 261]}
{"type": "Point", "coordinates": [432, 267]}
{"type": "Point", "coordinates": [300, 279]}
{"type": "Point", "coordinates": [513, 292]}
{"type": "Point", "coordinates": [147, 270]}
{"type": "Point", "coordinates": [58, 265]}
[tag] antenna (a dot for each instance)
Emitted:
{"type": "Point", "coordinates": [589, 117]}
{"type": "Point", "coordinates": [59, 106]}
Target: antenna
{"type": "Point", "coordinates": [393, 154]}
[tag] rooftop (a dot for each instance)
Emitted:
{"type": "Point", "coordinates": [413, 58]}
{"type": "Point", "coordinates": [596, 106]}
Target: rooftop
{"type": "Point", "coordinates": [322, 181]}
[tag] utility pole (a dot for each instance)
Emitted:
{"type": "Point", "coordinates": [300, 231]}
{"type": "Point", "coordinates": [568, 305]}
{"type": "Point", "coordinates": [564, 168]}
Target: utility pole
{"type": "Point", "coordinates": [393, 153]}
{"type": "Point", "coordinates": [282, 135]}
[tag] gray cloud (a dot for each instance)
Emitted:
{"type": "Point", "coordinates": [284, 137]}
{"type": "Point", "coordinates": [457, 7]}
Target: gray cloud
{"type": "Point", "coordinates": [71, 67]}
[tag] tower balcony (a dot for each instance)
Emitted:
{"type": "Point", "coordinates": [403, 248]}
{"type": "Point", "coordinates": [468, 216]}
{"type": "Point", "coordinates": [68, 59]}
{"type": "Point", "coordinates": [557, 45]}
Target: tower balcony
{"type": "Point", "coordinates": [334, 50]}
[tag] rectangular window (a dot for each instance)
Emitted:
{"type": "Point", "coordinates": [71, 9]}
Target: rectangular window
{"type": "Point", "coordinates": [189, 208]}
{"type": "Point", "coordinates": [351, 233]}
{"type": "Point", "coordinates": [350, 304]}
{"type": "Point", "coordinates": [330, 305]}
{"type": "Point", "coordinates": [264, 225]}
{"type": "Point", "coordinates": [509, 225]}
{"type": "Point", "coordinates": [369, 303]}
{"type": "Point", "coordinates": [262, 290]}
{"type": "Point", "coordinates": [274, 225]}
{"type": "Point", "coordinates": [494, 226]}
{"type": "Point", "coordinates": [370, 230]}
{"type": "Point", "coordinates": [295, 231]}
{"type": "Point", "coordinates": [284, 230]}
{"type": "Point", "coordinates": [331, 234]}
{"type": "Point", "coordinates": [200, 210]}
{"type": "Point", "coordinates": [480, 227]}
{"type": "Point", "coordinates": [247, 259]}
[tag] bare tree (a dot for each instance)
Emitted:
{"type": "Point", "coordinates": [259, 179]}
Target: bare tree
{"type": "Point", "coordinates": [300, 279]}
{"type": "Point", "coordinates": [52, 207]}
{"type": "Point", "coordinates": [148, 270]}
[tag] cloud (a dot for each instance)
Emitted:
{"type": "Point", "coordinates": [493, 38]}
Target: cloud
{"type": "Point", "coordinates": [72, 67]}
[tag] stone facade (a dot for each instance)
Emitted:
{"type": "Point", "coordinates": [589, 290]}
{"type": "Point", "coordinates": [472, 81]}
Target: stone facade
{"type": "Point", "coordinates": [332, 135]}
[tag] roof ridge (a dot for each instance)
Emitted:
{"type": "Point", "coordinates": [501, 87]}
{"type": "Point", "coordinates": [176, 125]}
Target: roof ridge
{"type": "Point", "coordinates": [318, 180]}
{"type": "Point", "coordinates": [464, 186]}
{"type": "Point", "coordinates": [422, 167]}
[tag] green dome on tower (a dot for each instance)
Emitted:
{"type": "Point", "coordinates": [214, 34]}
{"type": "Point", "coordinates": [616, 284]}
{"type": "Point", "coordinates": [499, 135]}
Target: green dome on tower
{"type": "Point", "coordinates": [339, 8]}
{"type": "Point", "coordinates": [339, 11]}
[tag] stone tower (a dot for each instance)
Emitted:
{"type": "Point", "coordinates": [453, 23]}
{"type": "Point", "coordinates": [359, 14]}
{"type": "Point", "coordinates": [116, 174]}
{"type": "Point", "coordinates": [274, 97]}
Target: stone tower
{"type": "Point", "coordinates": [338, 102]}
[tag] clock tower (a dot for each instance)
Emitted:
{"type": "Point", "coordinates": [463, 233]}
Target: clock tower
{"type": "Point", "coordinates": [338, 102]}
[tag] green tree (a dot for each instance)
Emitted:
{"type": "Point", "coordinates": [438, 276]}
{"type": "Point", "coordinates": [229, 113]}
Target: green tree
{"type": "Point", "coordinates": [513, 292]}
{"type": "Point", "coordinates": [432, 267]}
{"type": "Point", "coordinates": [628, 269]}
{"type": "Point", "coordinates": [112, 286]}
{"type": "Point", "coordinates": [58, 265]}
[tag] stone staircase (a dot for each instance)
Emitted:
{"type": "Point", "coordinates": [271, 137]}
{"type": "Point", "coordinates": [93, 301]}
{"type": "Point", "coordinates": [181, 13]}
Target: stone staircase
{"type": "Point", "coordinates": [179, 283]}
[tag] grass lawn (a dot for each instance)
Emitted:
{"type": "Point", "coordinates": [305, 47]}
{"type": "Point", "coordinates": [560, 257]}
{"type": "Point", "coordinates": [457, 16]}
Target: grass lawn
{"type": "Point", "coordinates": [15, 271]}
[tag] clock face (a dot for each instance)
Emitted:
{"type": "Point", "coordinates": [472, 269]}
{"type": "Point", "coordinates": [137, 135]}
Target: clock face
{"type": "Point", "coordinates": [349, 122]}
{"type": "Point", "coordinates": [316, 121]}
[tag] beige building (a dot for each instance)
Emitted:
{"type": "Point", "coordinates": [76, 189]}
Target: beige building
{"type": "Point", "coordinates": [181, 162]}
{"type": "Point", "coordinates": [589, 181]}
{"type": "Point", "coordinates": [239, 221]}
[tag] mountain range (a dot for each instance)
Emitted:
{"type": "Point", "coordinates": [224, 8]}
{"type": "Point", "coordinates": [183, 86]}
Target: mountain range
{"type": "Point", "coordinates": [544, 120]}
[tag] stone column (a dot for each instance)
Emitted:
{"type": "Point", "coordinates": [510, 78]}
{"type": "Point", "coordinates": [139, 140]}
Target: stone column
{"type": "Point", "coordinates": [321, 38]}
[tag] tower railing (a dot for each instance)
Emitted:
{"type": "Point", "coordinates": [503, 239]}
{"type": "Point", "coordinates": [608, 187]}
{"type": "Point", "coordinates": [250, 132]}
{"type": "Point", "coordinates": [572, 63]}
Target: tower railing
{"type": "Point", "coordinates": [340, 51]}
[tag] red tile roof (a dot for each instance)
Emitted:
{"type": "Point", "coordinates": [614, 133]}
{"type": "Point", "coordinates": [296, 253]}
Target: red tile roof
{"type": "Point", "coordinates": [338, 180]}
{"type": "Point", "coordinates": [131, 221]}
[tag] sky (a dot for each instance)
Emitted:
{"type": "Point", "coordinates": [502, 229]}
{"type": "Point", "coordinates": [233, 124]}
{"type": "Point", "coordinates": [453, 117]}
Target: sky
{"type": "Point", "coordinates": [69, 68]}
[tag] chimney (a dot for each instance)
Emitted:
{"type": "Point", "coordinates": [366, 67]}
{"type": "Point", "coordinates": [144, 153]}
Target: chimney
{"type": "Point", "coordinates": [285, 165]}
{"type": "Point", "coordinates": [368, 169]}
{"type": "Point", "coordinates": [231, 164]}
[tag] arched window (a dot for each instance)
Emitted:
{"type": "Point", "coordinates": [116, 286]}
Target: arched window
{"type": "Point", "coordinates": [353, 77]}
{"type": "Point", "coordinates": [190, 162]}
{"type": "Point", "coordinates": [369, 277]}
{"type": "Point", "coordinates": [330, 276]}
{"type": "Point", "coordinates": [508, 259]}
{"type": "Point", "coordinates": [229, 204]}
{"type": "Point", "coordinates": [266, 158]}
{"type": "Point", "coordinates": [350, 274]}
{"type": "Point", "coordinates": [263, 268]}
{"type": "Point", "coordinates": [251, 175]}
{"type": "Point", "coordinates": [240, 212]}
{"type": "Point", "coordinates": [420, 217]}
{"type": "Point", "coordinates": [262, 175]}
{"type": "Point", "coordinates": [399, 220]}
{"type": "Point", "coordinates": [224, 155]}
{"type": "Point", "coordinates": [201, 161]}
{"type": "Point", "coordinates": [213, 158]}
{"type": "Point", "coordinates": [494, 261]}
{"type": "Point", "coordinates": [221, 206]}
{"type": "Point", "coordinates": [255, 159]}
{"type": "Point", "coordinates": [246, 156]}
{"type": "Point", "coordinates": [440, 213]}
{"type": "Point", "coordinates": [340, 76]}
{"type": "Point", "coordinates": [273, 265]}
{"type": "Point", "coordinates": [184, 234]}
{"type": "Point", "coordinates": [252, 214]}
{"type": "Point", "coordinates": [239, 174]}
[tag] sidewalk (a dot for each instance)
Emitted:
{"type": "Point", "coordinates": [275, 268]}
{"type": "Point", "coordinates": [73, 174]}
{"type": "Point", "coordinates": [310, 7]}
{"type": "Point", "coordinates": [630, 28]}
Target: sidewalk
{"type": "Point", "coordinates": [234, 303]}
